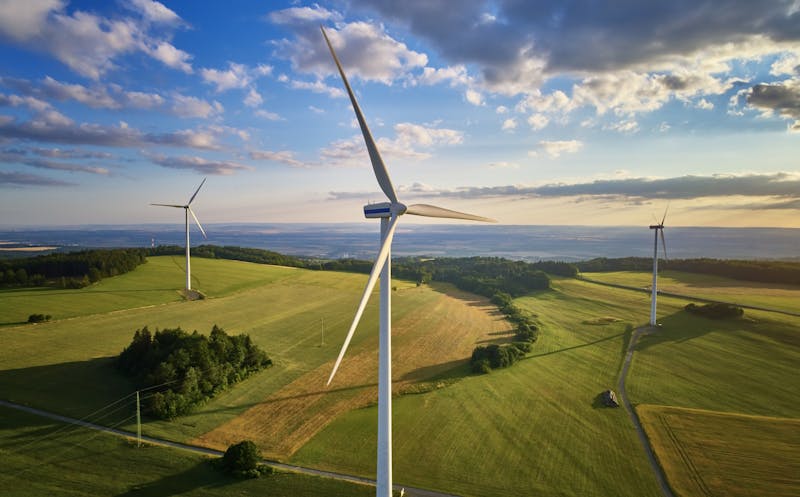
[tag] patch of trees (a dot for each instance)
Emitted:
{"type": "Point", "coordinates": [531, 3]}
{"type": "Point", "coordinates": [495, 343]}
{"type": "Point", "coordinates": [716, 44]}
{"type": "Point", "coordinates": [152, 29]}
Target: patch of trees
{"type": "Point", "coordinates": [258, 256]}
{"type": "Point", "coordinates": [486, 358]}
{"type": "Point", "coordinates": [762, 271]}
{"type": "Point", "coordinates": [481, 275]}
{"type": "Point", "coordinates": [242, 460]}
{"type": "Point", "coordinates": [185, 369]}
{"type": "Point", "coordinates": [69, 269]}
{"type": "Point", "coordinates": [39, 318]}
{"type": "Point", "coordinates": [716, 310]}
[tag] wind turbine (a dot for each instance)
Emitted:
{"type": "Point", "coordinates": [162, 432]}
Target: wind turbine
{"type": "Point", "coordinates": [658, 228]}
{"type": "Point", "coordinates": [388, 212]}
{"type": "Point", "coordinates": [188, 210]}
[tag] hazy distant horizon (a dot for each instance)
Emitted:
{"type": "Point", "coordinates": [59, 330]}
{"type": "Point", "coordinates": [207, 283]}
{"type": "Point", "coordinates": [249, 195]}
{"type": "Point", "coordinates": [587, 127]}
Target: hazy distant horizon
{"type": "Point", "coordinates": [360, 240]}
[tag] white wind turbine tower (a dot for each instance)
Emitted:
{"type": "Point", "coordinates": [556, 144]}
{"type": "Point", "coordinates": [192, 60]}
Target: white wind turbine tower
{"type": "Point", "coordinates": [658, 228]}
{"type": "Point", "coordinates": [188, 210]}
{"type": "Point", "coordinates": [388, 213]}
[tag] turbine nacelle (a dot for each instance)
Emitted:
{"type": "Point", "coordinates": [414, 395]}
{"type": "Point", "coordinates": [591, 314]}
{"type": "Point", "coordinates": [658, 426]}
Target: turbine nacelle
{"type": "Point", "coordinates": [384, 209]}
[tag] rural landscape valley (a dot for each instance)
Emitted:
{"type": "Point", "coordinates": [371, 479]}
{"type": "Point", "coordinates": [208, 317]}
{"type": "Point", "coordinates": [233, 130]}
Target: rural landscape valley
{"type": "Point", "coordinates": [717, 398]}
{"type": "Point", "coordinates": [433, 258]}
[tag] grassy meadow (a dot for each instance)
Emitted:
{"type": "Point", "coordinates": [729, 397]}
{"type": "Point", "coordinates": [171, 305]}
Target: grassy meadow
{"type": "Point", "coordinates": [43, 457]}
{"type": "Point", "coordinates": [751, 293]}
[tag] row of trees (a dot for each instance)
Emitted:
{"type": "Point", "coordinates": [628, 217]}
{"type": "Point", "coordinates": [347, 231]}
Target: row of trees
{"type": "Point", "coordinates": [69, 269]}
{"type": "Point", "coordinates": [486, 358]}
{"type": "Point", "coordinates": [763, 271]}
{"type": "Point", "coordinates": [187, 369]}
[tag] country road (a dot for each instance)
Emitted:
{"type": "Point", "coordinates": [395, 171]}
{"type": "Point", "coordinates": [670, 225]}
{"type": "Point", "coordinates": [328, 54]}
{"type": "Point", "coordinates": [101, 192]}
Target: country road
{"type": "Point", "coordinates": [651, 457]}
{"type": "Point", "coordinates": [409, 491]}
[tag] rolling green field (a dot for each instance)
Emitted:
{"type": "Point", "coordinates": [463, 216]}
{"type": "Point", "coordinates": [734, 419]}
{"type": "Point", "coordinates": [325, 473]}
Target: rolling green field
{"type": "Point", "coordinates": [43, 457]}
{"type": "Point", "coordinates": [751, 293]}
{"type": "Point", "coordinates": [536, 428]}
{"type": "Point", "coordinates": [156, 282]}
{"type": "Point", "coordinates": [726, 455]}
{"type": "Point", "coordinates": [533, 429]}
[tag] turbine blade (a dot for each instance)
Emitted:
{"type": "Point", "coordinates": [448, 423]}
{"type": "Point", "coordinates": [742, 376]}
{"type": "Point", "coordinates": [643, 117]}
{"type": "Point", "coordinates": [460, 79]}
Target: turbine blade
{"type": "Point", "coordinates": [381, 173]}
{"type": "Point", "coordinates": [196, 221]}
{"type": "Point", "coordinates": [383, 254]}
{"type": "Point", "coordinates": [663, 243]}
{"type": "Point", "coordinates": [170, 205]}
{"type": "Point", "coordinates": [665, 215]}
{"type": "Point", "coordinates": [433, 211]}
{"type": "Point", "coordinates": [195, 192]}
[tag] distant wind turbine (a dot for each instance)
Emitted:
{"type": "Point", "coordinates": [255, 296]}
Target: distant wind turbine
{"type": "Point", "coordinates": [388, 213]}
{"type": "Point", "coordinates": [188, 210]}
{"type": "Point", "coordinates": [658, 228]}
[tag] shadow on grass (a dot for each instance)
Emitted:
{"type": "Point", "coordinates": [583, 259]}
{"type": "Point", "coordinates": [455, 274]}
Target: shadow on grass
{"type": "Point", "coordinates": [565, 349]}
{"type": "Point", "coordinates": [680, 327]}
{"type": "Point", "coordinates": [75, 389]}
{"type": "Point", "coordinates": [438, 372]}
{"type": "Point", "coordinates": [201, 475]}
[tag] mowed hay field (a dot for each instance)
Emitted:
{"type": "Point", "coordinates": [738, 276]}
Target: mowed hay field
{"type": "Point", "coordinates": [533, 429]}
{"type": "Point", "coordinates": [708, 453]}
{"type": "Point", "coordinates": [751, 293]}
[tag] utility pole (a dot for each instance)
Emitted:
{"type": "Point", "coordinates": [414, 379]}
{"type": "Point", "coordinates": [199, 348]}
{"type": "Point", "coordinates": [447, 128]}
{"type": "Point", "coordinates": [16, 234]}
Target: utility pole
{"type": "Point", "coordinates": [138, 421]}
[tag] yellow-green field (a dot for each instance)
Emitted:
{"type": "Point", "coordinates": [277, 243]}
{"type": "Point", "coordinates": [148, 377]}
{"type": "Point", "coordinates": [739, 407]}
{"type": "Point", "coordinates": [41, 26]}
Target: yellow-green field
{"type": "Point", "coordinates": [707, 453]}
{"type": "Point", "coordinates": [533, 429]}
{"type": "Point", "coordinates": [751, 293]}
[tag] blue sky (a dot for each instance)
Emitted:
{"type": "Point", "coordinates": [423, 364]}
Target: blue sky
{"type": "Point", "coordinates": [551, 112]}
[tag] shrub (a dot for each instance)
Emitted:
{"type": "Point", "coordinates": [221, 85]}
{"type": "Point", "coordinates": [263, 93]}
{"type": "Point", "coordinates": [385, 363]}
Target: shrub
{"type": "Point", "coordinates": [716, 310]}
{"type": "Point", "coordinates": [38, 318]}
{"type": "Point", "coordinates": [243, 460]}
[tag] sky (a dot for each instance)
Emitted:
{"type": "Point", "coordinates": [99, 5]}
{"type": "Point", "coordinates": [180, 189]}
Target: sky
{"type": "Point", "coordinates": [582, 112]}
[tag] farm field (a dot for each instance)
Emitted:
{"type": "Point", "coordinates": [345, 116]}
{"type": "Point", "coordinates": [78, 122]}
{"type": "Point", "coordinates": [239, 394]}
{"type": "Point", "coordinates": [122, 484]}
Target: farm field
{"type": "Point", "coordinates": [66, 365]}
{"type": "Point", "coordinates": [752, 293]}
{"type": "Point", "coordinates": [156, 282]}
{"type": "Point", "coordinates": [534, 429]}
{"type": "Point", "coordinates": [746, 366]}
{"type": "Point", "coordinates": [43, 457]}
{"type": "Point", "coordinates": [727, 455]}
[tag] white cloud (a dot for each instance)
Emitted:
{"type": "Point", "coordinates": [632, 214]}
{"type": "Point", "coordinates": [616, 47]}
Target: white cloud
{"type": "Point", "coordinates": [501, 109]}
{"type": "Point", "coordinates": [317, 87]}
{"type": "Point", "coordinates": [171, 57]}
{"type": "Point", "coordinates": [187, 106]}
{"type": "Point", "coordinates": [236, 76]}
{"type": "Point", "coordinates": [704, 104]}
{"type": "Point", "coordinates": [155, 11]}
{"type": "Point", "coordinates": [555, 149]}
{"type": "Point", "coordinates": [473, 97]}
{"type": "Point", "coordinates": [199, 164]}
{"type": "Point", "coordinates": [509, 124]}
{"type": "Point", "coordinates": [454, 75]}
{"type": "Point", "coordinates": [253, 98]}
{"type": "Point", "coordinates": [409, 139]}
{"type": "Point", "coordinates": [283, 157]}
{"type": "Point", "coordinates": [265, 114]}
{"type": "Point", "coordinates": [88, 43]}
{"type": "Point", "coordinates": [625, 126]}
{"type": "Point", "coordinates": [538, 121]}
{"type": "Point", "coordinates": [365, 50]}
